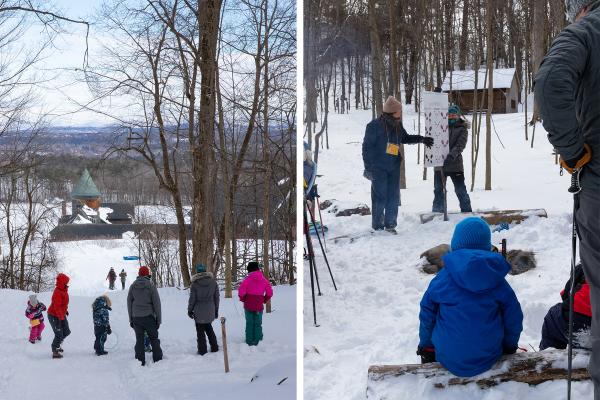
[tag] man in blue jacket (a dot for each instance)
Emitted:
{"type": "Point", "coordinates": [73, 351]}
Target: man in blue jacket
{"type": "Point", "coordinates": [567, 90]}
{"type": "Point", "coordinates": [382, 159]}
{"type": "Point", "coordinates": [470, 315]}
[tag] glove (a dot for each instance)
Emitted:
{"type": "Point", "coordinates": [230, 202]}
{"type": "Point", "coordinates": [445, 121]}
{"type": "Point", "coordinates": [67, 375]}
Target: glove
{"type": "Point", "coordinates": [108, 331]}
{"type": "Point", "coordinates": [67, 313]}
{"type": "Point", "coordinates": [191, 314]}
{"type": "Point", "coordinates": [131, 324]}
{"type": "Point", "coordinates": [427, 354]}
{"type": "Point", "coordinates": [509, 350]}
{"type": "Point", "coordinates": [578, 162]}
{"type": "Point", "coordinates": [427, 141]}
{"type": "Point", "coordinates": [368, 174]}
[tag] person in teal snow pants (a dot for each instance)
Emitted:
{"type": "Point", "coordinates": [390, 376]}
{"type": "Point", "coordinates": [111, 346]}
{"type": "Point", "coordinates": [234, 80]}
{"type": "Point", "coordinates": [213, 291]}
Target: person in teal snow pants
{"type": "Point", "coordinates": [254, 292]}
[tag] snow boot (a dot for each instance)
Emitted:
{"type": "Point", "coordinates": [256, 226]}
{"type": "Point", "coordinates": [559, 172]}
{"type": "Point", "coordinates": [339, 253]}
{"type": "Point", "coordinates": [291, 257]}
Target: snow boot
{"type": "Point", "coordinates": [56, 354]}
{"type": "Point", "coordinates": [391, 230]}
{"type": "Point", "coordinates": [39, 338]}
{"type": "Point", "coordinates": [60, 350]}
{"type": "Point", "coordinates": [101, 353]}
{"type": "Point", "coordinates": [32, 341]}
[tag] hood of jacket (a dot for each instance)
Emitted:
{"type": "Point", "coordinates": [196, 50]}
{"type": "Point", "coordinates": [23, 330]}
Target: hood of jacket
{"type": "Point", "coordinates": [101, 302]}
{"type": "Point", "coordinates": [202, 277]}
{"type": "Point", "coordinates": [142, 282]}
{"type": "Point", "coordinates": [61, 281]}
{"type": "Point", "coordinates": [476, 270]}
{"type": "Point", "coordinates": [256, 276]}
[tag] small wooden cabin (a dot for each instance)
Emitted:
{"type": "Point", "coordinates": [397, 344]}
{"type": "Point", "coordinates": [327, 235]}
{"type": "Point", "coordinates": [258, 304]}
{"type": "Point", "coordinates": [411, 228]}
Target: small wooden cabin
{"type": "Point", "coordinates": [460, 87]}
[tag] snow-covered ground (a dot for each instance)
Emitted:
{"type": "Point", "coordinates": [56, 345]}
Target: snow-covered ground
{"type": "Point", "coordinates": [27, 370]}
{"type": "Point", "coordinates": [373, 317]}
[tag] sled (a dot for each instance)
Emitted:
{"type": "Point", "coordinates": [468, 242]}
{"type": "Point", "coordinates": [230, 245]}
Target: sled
{"type": "Point", "coordinates": [531, 368]}
{"type": "Point", "coordinates": [495, 217]}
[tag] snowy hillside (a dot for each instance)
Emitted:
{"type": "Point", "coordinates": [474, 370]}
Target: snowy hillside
{"type": "Point", "coordinates": [373, 317]}
{"type": "Point", "coordinates": [27, 370]}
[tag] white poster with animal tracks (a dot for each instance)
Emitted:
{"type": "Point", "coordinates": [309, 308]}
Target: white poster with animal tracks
{"type": "Point", "coordinates": [435, 108]}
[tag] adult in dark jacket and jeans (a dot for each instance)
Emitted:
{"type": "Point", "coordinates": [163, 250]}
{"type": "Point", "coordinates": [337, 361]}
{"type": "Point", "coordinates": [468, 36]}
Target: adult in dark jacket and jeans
{"type": "Point", "coordinates": [453, 165]}
{"type": "Point", "coordinates": [143, 307]}
{"type": "Point", "coordinates": [382, 159]}
{"type": "Point", "coordinates": [567, 90]}
{"type": "Point", "coordinates": [203, 308]}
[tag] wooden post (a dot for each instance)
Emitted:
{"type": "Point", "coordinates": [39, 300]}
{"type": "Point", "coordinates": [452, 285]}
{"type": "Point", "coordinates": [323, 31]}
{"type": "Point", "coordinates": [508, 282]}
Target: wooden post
{"type": "Point", "coordinates": [224, 336]}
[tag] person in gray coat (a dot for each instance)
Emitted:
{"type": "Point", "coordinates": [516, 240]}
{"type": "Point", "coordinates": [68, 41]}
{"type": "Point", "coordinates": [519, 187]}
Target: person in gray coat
{"type": "Point", "coordinates": [143, 307]}
{"type": "Point", "coordinates": [453, 165]}
{"type": "Point", "coordinates": [567, 90]}
{"type": "Point", "coordinates": [203, 308]}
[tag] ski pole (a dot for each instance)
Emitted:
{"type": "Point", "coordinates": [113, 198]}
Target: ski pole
{"type": "Point", "coordinates": [224, 337]}
{"type": "Point", "coordinates": [575, 189]}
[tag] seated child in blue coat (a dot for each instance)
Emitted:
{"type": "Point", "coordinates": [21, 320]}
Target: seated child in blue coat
{"type": "Point", "coordinates": [470, 315]}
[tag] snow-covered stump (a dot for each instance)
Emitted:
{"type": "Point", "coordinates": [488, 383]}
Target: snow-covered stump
{"type": "Point", "coordinates": [529, 368]}
{"type": "Point", "coordinates": [495, 217]}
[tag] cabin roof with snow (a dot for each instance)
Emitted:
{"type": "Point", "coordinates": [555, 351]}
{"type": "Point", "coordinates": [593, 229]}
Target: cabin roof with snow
{"type": "Point", "coordinates": [85, 188]}
{"type": "Point", "coordinates": [465, 80]}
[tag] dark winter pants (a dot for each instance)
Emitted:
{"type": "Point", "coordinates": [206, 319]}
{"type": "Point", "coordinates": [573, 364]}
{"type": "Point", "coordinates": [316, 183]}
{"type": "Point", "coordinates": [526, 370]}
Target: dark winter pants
{"type": "Point", "coordinates": [458, 179]}
{"type": "Point", "coordinates": [203, 331]}
{"type": "Point", "coordinates": [100, 332]}
{"type": "Point", "coordinates": [61, 330]}
{"type": "Point", "coordinates": [588, 222]}
{"type": "Point", "coordinates": [385, 198]}
{"type": "Point", "coordinates": [555, 330]}
{"type": "Point", "coordinates": [254, 332]}
{"type": "Point", "coordinates": [148, 324]}
{"type": "Point", "coordinates": [111, 284]}
{"type": "Point", "coordinates": [122, 284]}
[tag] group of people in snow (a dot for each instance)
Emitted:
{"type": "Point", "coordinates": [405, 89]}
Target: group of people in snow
{"type": "Point", "coordinates": [145, 315]}
{"type": "Point", "coordinates": [112, 277]}
{"type": "Point", "coordinates": [470, 305]}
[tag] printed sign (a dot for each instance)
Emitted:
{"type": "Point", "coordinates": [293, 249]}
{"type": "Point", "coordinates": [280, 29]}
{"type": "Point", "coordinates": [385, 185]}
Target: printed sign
{"type": "Point", "coordinates": [435, 107]}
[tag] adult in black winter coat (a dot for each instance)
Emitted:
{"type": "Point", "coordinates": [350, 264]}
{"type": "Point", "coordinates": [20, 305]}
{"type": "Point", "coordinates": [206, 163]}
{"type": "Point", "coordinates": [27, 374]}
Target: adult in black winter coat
{"type": "Point", "coordinates": [203, 308]}
{"type": "Point", "coordinates": [453, 165]}
{"type": "Point", "coordinates": [567, 90]}
{"type": "Point", "coordinates": [382, 159]}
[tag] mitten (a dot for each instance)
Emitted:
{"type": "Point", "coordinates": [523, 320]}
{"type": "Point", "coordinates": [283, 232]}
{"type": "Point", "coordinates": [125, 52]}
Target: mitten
{"type": "Point", "coordinates": [584, 157]}
{"type": "Point", "coordinates": [427, 354]}
{"type": "Point", "coordinates": [191, 314]}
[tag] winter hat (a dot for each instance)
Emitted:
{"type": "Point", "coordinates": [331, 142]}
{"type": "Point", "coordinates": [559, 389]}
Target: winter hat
{"type": "Point", "coordinates": [144, 271]}
{"type": "Point", "coordinates": [200, 268]}
{"type": "Point", "coordinates": [253, 266]}
{"type": "Point", "coordinates": [454, 109]}
{"type": "Point", "coordinates": [472, 233]}
{"type": "Point", "coordinates": [33, 300]}
{"type": "Point", "coordinates": [573, 7]}
{"type": "Point", "coordinates": [392, 106]}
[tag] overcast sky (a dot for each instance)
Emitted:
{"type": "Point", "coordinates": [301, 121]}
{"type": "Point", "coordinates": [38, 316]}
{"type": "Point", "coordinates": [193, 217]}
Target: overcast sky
{"type": "Point", "coordinates": [59, 95]}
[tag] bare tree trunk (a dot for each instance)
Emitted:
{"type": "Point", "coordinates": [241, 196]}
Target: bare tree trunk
{"type": "Point", "coordinates": [490, 102]}
{"type": "Point", "coordinates": [376, 59]}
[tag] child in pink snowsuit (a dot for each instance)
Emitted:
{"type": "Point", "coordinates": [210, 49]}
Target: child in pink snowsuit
{"type": "Point", "coordinates": [254, 291]}
{"type": "Point", "coordinates": [34, 313]}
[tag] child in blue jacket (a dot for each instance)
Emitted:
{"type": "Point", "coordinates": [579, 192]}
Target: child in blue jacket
{"type": "Point", "coordinates": [470, 315]}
